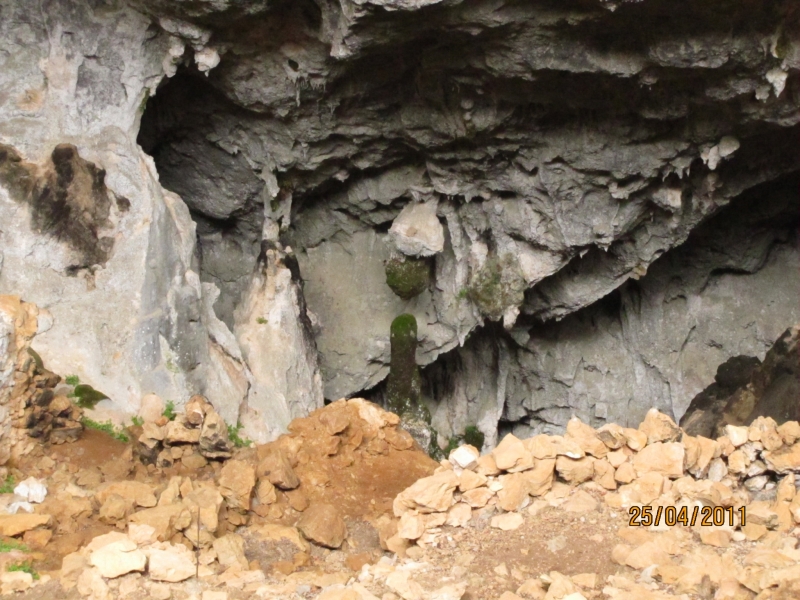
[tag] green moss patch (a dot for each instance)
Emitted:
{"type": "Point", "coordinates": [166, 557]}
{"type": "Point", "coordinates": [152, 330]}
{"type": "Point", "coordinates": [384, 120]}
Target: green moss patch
{"type": "Point", "coordinates": [87, 396]}
{"type": "Point", "coordinates": [497, 286]}
{"type": "Point", "coordinates": [408, 277]}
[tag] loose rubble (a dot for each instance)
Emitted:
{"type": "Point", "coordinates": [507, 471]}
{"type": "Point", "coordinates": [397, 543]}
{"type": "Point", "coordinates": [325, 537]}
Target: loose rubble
{"type": "Point", "coordinates": [347, 506]}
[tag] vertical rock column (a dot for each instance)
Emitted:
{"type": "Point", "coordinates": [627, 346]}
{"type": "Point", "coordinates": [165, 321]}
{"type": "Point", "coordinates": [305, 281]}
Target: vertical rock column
{"type": "Point", "coordinates": [18, 324]}
{"type": "Point", "coordinates": [274, 334]}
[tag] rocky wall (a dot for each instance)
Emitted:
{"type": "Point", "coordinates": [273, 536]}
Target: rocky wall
{"type": "Point", "coordinates": [551, 152]}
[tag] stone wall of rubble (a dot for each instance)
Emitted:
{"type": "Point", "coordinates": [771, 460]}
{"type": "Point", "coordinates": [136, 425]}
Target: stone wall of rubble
{"type": "Point", "coordinates": [18, 324]}
{"type": "Point", "coordinates": [656, 465]}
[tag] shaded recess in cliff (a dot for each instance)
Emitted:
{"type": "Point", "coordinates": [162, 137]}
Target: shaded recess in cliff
{"type": "Point", "coordinates": [655, 341]}
{"type": "Point", "coordinates": [227, 207]}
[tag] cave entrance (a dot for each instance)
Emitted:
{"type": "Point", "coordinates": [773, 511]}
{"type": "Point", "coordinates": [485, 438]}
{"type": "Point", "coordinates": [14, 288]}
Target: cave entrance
{"type": "Point", "coordinates": [184, 127]}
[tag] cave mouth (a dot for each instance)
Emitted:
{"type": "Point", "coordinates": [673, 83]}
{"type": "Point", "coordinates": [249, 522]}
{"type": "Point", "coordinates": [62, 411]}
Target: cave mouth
{"type": "Point", "coordinates": [222, 190]}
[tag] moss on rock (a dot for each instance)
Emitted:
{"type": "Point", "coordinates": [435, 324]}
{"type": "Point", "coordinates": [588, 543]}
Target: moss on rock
{"type": "Point", "coordinates": [87, 396]}
{"type": "Point", "coordinates": [497, 286]}
{"type": "Point", "coordinates": [408, 277]}
{"type": "Point", "coordinates": [404, 384]}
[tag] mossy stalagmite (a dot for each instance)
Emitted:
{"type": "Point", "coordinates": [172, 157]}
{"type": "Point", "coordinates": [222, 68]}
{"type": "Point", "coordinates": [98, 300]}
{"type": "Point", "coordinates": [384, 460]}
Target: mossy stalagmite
{"type": "Point", "coordinates": [404, 384]}
{"type": "Point", "coordinates": [408, 277]}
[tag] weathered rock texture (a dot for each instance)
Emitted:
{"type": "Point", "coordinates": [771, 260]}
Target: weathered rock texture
{"type": "Point", "coordinates": [745, 389]}
{"type": "Point", "coordinates": [565, 146]}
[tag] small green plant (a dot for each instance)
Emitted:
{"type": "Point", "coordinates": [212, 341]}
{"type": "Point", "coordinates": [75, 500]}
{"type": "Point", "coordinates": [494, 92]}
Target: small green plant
{"type": "Point", "coordinates": [169, 410]}
{"type": "Point", "coordinates": [11, 545]}
{"type": "Point", "coordinates": [452, 444]}
{"type": "Point", "coordinates": [72, 380]}
{"type": "Point", "coordinates": [233, 435]}
{"type": "Point", "coordinates": [24, 567]}
{"type": "Point", "coordinates": [463, 293]}
{"type": "Point", "coordinates": [474, 436]}
{"type": "Point", "coordinates": [8, 485]}
{"type": "Point", "coordinates": [137, 421]}
{"type": "Point", "coordinates": [107, 428]}
{"type": "Point", "coordinates": [261, 321]}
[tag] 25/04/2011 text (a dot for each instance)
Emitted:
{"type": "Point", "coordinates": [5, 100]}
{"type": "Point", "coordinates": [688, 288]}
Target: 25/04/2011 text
{"type": "Point", "coordinates": [642, 516]}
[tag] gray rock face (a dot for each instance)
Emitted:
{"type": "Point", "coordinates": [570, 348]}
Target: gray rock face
{"type": "Point", "coordinates": [567, 147]}
{"type": "Point", "coordinates": [655, 342]}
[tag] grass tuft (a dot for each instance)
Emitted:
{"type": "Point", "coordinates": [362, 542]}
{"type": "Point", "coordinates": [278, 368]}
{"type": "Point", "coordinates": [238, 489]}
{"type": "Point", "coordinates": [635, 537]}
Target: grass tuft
{"type": "Point", "coordinates": [8, 485]}
{"type": "Point", "coordinates": [233, 435]}
{"type": "Point", "coordinates": [24, 567]}
{"type": "Point", "coordinates": [169, 410]}
{"type": "Point", "coordinates": [72, 380]}
{"type": "Point", "coordinates": [107, 428]}
{"type": "Point", "coordinates": [11, 545]}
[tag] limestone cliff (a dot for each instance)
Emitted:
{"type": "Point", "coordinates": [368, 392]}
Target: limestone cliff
{"type": "Point", "coordinates": [566, 149]}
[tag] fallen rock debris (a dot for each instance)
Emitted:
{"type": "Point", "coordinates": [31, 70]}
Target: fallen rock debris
{"type": "Point", "coordinates": [277, 522]}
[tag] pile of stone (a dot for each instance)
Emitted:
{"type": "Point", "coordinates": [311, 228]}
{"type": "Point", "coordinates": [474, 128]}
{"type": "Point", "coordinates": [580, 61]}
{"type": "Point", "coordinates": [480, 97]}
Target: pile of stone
{"type": "Point", "coordinates": [31, 407]}
{"type": "Point", "coordinates": [655, 465]}
{"type": "Point", "coordinates": [193, 437]}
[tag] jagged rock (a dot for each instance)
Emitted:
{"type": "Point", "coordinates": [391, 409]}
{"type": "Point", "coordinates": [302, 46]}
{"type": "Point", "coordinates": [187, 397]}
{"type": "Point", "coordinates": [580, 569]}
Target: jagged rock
{"type": "Point", "coordinates": [465, 457]}
{"type": "Point", "coordinates": [416, 231]}
{"type": "Point", "coordinates": [277, 469]}
{"type": "Point", "coordinates": [230, 551]}
{"type": "Point", "coordinates": [575, 471]}
{"type": "Point", "coordinates": [429, 494]}
{"type": "Point", "coordinates": [171, 563]}
{"type": "Point", "coordinates": [177, 432]}
{"type": "Point", "coordinates": [166, 520]}
{"type": "Point", "coordinates": [141, 494]}
{"type": "Point", "coordinates": [213, 440]}
{"type": "Point", "coordinates": [14, 525]}
{"type": "Point", "coordinates": [658, 427]}
{"type": "Point", "coordinates": [115, 555]}
{"type": "Point", "coordinates": [236, 483]}
{"type": "Point", "coordinates": [322, 523]}
{"type": "Point", "coordinates": [16, 581]}
{"type": "Point", "coordinates": [586, 437]}
{"type": "Point", "coordinates": [511, 454]}
{"type": "Point", "coordinates": [659, 457]}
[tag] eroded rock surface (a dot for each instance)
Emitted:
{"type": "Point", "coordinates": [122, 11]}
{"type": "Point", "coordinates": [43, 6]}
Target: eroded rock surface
{"type": "Point", "coordinates": [562, 148]}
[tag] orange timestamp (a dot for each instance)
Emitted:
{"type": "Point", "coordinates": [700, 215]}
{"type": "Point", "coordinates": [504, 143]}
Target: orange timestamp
{"type": "Point", "coordinates": [642, 516]}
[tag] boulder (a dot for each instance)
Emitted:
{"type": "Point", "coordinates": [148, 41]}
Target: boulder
{"type": "Point", "coordinates": [586, 437]}
{"type": "Point", "coordinates": [151, 408]}
{"type": "Point", "coordinates": [277, 469]}
{"type": "Point", "coordinates": [539, 480]}
{"type": "Point", "coordinates": [135, 492]}
{"type": "Point", "coordinates": [236, 482]}
{"type": "Point", "coordinates": [511, 454]}
{"type": "Point", "coordinates": [416, 231]}
{"type": "Point", "coordinates": [171, 563]}
{"type": "Point", "coordinates": [230, 551]}
{"type": "Point", "coordinates": [429, 494]}
{"type": "Point", "coordinates": [785, 459]}
{"type": "Point", "coordinates": [658, 427]}
{"type": "Point", "coordinates": [14, 525]}
{"type": "Point", "coordinates": [323, 523]}
{"type": "Point", "coordinates": [214, 441]}
{"type": "Point", "coordinates": [117, 557]}
{"type": "Point", "coordinates": [465, 457]}
{"type": "Point", "coordinates": [575, 471]}
{"type": "Point", "coordinates": [507, 521]}
{"type": "Point", "coordinates": [165, 520]}
{"type": "Point", "coordinates": [514, 493]}
{"type": "Point", "coordinates": [664, 458]}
